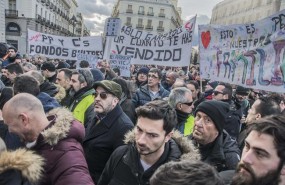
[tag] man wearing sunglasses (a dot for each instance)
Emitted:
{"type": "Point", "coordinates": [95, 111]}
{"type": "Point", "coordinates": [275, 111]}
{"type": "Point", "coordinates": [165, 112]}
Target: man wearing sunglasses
{"type": "Point", "coordinates": [152, 90]}
{"type": "Point", "coordinates": [181, 100]}
{"type": "Point", "coordinates": [224, 92]}
{"type": "Point", "coordinates": [106, 131]}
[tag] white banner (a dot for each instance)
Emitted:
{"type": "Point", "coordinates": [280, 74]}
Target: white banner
{"type": "Point", "coordinates": [251, 55]}
{"type": "Point", "coordinates": [54, 46]}
{"type": "Point", "coordinates": [122, 62]}
{"type": "Point", "coordinates": [91, 59]}
{"type": "Point", "coordinates": [169, 49]}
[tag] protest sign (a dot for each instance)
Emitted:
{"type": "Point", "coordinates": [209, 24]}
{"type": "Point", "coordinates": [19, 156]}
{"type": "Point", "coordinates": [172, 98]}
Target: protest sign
{"type": "Point", "coordinates": [91, 59]}
{"type": "Point", "coordinates": [251, 55]}
{"type": "Point", "coordinates": [169, 49]}
{"type": "Point", "coordinates": [54, 46]}
{"type": "Point", "coordinates": [122, 62]}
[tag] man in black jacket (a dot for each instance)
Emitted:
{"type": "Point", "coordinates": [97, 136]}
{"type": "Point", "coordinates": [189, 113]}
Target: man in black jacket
{"type": "Point", "coordinates": [151, 144]}
{"type": "Point", "coordinates": [106, 131]}
{"type": "Point", "coordinates": [223, 92]}
{"type": "Point", "coordinates": [214, 143]}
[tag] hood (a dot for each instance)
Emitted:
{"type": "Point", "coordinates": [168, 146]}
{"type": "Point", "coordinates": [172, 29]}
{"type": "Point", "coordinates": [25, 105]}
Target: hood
{"type": "Point", "coordinates": [184, 144]}
{"type": "Point", "coordinates": [47, 101]}
{"type": "Point", "coordinates": [65, 126]}
{"type": "Point", "coordinates": [27, 162]}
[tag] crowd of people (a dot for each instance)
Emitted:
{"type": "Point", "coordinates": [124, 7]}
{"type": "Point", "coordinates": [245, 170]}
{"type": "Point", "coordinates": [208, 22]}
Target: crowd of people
{"type": "Point", "coordinates": [163, 125]}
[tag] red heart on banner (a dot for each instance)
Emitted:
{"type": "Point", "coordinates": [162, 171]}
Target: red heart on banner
{"type": "Point", "coordinates": [206, 38]}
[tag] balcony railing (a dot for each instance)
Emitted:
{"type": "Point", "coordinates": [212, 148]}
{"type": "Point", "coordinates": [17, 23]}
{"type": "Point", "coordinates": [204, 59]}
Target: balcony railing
{"type": "Point", "coordinates": [150, 13]}
{"type": "Point", "coordinates": [149, 27]}
{"type": "Point", "coordinates": [39, 18]}
{"type": "Point", "coordinates": [160, 28]}
{"type": "Point", "coordinates": [11, 13]}
{"type": "Point", "coordinates": [141, 12]}
{"type": "Point", "coordinates": [161, 15]}
{"type": "Point", "coordinates": [129, 11]}
{"type": "Point", "coordinates": [140, 26]}
{"type": "Point", "coordinates": [128, 24]}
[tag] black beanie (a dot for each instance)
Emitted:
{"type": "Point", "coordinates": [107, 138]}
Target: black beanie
{"type": "Point", "coordinates": [216, 110]}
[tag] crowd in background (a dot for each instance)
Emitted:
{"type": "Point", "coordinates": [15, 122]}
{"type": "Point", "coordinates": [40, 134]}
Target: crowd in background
{"type": "Point", "coordinates": [63, 123]}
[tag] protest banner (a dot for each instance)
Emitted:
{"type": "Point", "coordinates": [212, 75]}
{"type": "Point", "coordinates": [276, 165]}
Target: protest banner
{"type": "Point", "coordinates": [54, 46]}
{"type": "Point", "coordinates": [145, 48]}
{"type": "Point", "coordinates": [91, 59]}
{"type": "Point", "coordinates": [250, 55]}
{"type": "Point", "coordinates": [122, 62]}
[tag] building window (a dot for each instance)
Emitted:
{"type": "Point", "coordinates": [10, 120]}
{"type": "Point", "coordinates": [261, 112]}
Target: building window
{"type": "Point", "coordinates": [130, 8]}
{"type": "Point", "coordinates": [149, 24]}
{"type": "Point", "coordinates": [160, 23]}
{"type": "Point", "coordinates": [129, 20]}
{"type": "Point", "coordinates": [141, 10]}
{"type": "Point", "coordinates": [150, 11]}
{"type": "Point", "coordinates": [140, 24]}
{"type": "Point", "coordinates": [12, 4]}
{"type": "Point", "coordinates": [13, 43]}
{"type": "Point", "coordinates": [161, 13]}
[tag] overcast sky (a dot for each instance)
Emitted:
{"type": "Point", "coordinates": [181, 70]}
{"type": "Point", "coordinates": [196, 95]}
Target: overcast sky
{"type": "Point", "coordinates": [96, 11]}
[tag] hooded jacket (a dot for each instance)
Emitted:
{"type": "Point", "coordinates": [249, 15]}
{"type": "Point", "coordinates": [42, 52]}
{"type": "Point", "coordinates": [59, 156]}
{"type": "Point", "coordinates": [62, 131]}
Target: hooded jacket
{"type": "Point", "coordinates": [124, 165]}
{"type": "Point", "coordinates": [60, 145]}
{"type": "Point", "coordinates": [20, 167]}
{"type": "Point", "coordinates": [48, 102]}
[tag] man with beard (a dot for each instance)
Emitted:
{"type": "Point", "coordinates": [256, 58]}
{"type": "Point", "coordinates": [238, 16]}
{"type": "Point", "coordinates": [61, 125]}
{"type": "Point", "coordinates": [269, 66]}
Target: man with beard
{"type": "Point", "coordinates": [82, 103]}
{"type": "Point", "coordinates": [151, 144]}
{"type": "Point", "coordinates": [106, 131]}
{"type": "Point", "coordinates": [63, 79]}
{"type": "Point", "coordinates": [262, 161]}
{"type": "Point", "coordinates": [152, 90]}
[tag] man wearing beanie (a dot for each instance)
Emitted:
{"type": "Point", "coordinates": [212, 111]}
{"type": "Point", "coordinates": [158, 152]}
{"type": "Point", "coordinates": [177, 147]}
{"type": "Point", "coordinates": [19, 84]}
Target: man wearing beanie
{"type": "Point", "coordinates": [216, 146]}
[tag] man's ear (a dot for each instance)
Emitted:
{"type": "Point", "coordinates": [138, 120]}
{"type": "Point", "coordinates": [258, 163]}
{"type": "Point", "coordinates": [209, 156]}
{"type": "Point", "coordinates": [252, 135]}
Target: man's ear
{"type": "Point", "coordinates": [24, 118]}
{"type": "Point", "coordinates": [168, 136]}
{"type": "Point", "coordinates": [258, 116]}
{"type": "Point", "coordinates": [283, 170]}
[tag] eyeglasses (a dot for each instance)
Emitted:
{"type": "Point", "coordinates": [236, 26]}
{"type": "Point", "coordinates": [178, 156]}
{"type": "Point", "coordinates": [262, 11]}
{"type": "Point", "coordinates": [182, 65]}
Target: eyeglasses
{"type": "Point", "coordinates": [103, 95]}
{"type": "Point", "coordinates": [152, 76]}
{"type": "Point", "coordinates": [188, 103]}
{"type": "Point", "coordinates": [217, 92]}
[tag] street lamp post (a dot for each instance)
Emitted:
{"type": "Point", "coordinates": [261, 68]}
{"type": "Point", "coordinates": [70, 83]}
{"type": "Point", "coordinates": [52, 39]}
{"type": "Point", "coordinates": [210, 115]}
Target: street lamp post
{"type": "Point", "coordinates": [73, 19]}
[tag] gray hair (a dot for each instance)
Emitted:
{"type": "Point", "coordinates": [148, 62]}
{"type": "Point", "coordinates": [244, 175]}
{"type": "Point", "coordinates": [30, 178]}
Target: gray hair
{"type": "Point", "coordinates": [177, 95]}
{"type": "Point", "coordinates": [85, 75]}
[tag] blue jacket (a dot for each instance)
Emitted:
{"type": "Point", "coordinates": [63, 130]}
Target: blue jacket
{"type": "Point", "coordinates": [142, 95]}
{"type": "Point", "coordinates": [48, 102]}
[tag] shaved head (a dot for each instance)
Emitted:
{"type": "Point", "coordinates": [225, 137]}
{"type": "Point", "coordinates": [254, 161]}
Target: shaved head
{"type": "Point", "coordinates": [24, 115]}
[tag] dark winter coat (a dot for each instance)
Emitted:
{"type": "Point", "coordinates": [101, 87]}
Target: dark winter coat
{"type": "Point", "coordinates": [124, 165]}
{"type": "Point", "coordinates": [47, 101]}
{"type": "Point", "coordinates": [103, 138]}
{"type": "Point", "coordinates": [48, 88]}
{"type": "Point", "coordinates": [233, 119]}
{"type": "Point", "coordinates": [223, 153]}
{"type": "Point", "coordinates": [60, 145]}
{"type": "Point", "coordinates": [20, 167]}
{"type": "Point", "coordinates": [142, 95]}
{"type": "Point", "coordinates": [128, 108]}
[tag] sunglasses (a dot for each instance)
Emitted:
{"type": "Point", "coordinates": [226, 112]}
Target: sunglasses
{"type": "Point", "coordinates": [152, 76]}
{"type": "Point", "coordinates": [103, 95]}
{"type": "Point", "coordinates": [188, 104]}
{"type": "Point", "coordinates": [217, 92]}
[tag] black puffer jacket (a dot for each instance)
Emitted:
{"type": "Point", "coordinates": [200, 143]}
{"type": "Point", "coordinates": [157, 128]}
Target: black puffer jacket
{"type": "Point", "coordinates": [223, 153]}
{"type": "Point", "coordinates": [124, 165]}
